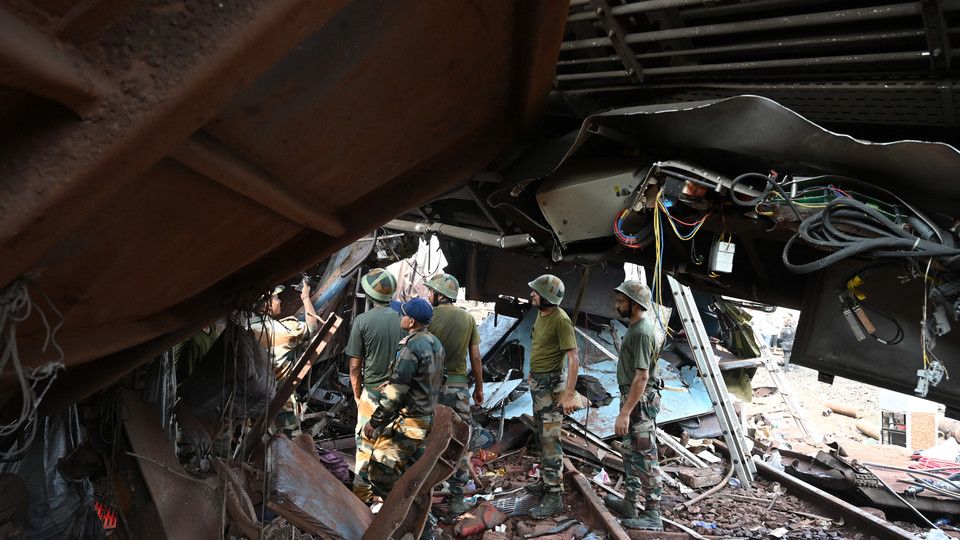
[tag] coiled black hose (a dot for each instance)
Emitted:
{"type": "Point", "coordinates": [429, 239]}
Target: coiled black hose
{"type": "Point", "coordinates": [771, 185]}
{"type": "Point", "coordinates": [852, 228]}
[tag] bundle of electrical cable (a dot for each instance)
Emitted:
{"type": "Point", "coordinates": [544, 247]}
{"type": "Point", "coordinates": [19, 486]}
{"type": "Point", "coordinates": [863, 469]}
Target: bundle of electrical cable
{"type": "Point", "coordinates": [853, 228]}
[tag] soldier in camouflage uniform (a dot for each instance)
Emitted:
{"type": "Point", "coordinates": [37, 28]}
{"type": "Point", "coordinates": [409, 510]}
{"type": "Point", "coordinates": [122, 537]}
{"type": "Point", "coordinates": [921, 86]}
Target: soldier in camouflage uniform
{"type": "Point", "coordinates": [372, 348]}
{"type": "Point", "coordinates": [553, 393]}
{"type": "Point", "coordinates": [457, 331]}
{"type": "Point", "coordinates": [283, 339]}
{"type": "Point", "coordinates": [639, 405]}
{"type": "Point", "coordinates": [405, 413]}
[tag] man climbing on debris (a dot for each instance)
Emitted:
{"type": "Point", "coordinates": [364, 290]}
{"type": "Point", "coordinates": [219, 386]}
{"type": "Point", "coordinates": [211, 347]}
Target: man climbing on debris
{"type": "Point", "coordinates": [639, 405]}
{"type": "Point", "coordinates": [372, 346]}
{"type": "Point", "coordinates": [457, 331]}
{"type": "Point", "coordinates": [283, 340]}
{"type": "Point", "coordinates": [553, 394]}
{"type": "Point", "coordinates": [405, 413]}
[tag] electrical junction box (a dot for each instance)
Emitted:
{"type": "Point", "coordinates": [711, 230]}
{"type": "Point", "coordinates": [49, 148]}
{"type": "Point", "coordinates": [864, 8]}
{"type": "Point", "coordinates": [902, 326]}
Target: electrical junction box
{"type": "Point", "coordinates": [721, 257]}
{"type": "Point", "coordinates": [581, 200]}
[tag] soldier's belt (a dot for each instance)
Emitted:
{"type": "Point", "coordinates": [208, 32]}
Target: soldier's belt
{"type": "Point", "coordinates": [405, 414]}
{"type": "Point", "coordinates": [456, 380]}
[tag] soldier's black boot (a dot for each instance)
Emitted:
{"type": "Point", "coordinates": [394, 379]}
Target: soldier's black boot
{"type": "Point", "coordinates": [537, 488]}
{"type": "Point", "coordinates": [551, 504]}
{"type": "Point", "coordinates": [626, 506]}
{"type": "Point", "coordinates": [649, 520]}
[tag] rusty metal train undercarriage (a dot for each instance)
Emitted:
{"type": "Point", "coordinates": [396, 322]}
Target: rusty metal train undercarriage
{"type": "Point", "coordinates": [167, 162]}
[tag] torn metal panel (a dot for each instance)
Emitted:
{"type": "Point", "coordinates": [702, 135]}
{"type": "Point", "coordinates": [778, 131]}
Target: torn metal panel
{"type": "Point", "coordinates": [730, 125]}
{"type": "Point", "coordinates": [304, 492]}
{"type": "Point", "coordinates": [175, 494]}
{"type": "Point", "coordinates": [494, 393]}
{"type": "Point", "coordinates": [405, 509]}
{"type": "Point", "coordinates": [492, 331]}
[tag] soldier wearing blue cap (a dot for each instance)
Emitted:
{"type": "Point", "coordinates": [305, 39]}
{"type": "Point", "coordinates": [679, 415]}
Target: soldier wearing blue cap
{"type": "Point", "coordinates": [404, 416]}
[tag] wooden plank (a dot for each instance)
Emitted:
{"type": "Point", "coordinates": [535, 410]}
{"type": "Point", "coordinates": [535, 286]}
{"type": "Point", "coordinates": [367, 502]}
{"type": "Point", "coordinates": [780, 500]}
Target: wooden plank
{"type": "Point", "coordinates": [599, 511]}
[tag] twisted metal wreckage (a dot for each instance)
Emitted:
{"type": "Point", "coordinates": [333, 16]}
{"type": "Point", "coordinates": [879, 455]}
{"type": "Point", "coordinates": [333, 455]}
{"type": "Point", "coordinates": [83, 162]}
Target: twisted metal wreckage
{"type": "Point", "coordinates": [166, 163]}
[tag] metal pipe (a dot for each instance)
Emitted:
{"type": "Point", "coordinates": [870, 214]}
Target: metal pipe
{"type": "Point", "coordinates": [767, 45]}
{"type": "Point", "coordinates": [774, 23]}
{"type": "Point", "coordinates": [463, 233]}
{"type": "Point", "coordinates": [761, 64]}
{"type": "Point", "coordinates": [759, 46]}
{"type": "Point", "coordinates": [750, 8]}
{"type": "Point", "coordinates": [904, 501]}
{"type": "Point", "coordinates": [592, 75]}
{"type": "Point", "coordinates": [921, 472]}
{"type": "Point", "coordinates": [636, 7]}
{"type": "Point", "coordinates": [579, 61]}
{"type": "Point", "coordinates": [790, 62]}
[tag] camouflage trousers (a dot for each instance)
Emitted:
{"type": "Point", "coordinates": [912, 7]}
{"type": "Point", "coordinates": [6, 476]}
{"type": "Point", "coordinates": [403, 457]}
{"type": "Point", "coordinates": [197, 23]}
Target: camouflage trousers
{"type": "Point", "coordinates": [369, 400]}
{"type": "Point", "coordinates": [640, 460]}
{"type": "Point", "coordinates": [396, 449]}
{"type": "Point", "coordinates": [457, 398]}
{"type": "Point", "coordinates": [546, 389]}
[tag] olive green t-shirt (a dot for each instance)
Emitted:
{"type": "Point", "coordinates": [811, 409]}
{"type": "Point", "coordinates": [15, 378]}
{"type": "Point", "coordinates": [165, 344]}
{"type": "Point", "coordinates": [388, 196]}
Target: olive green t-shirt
{"type": "Point", "coordinates": [552, 337]}
{"type": "Point", "coordinates": [374, 337]}
{"type": "Point", "coordinates": [457, 331]}
{"type": "Point", "coordinates": [637, 351]}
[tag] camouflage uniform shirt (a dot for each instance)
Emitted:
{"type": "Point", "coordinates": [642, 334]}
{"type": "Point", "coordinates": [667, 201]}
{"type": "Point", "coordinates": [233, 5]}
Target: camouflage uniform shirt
{"type": "Point", "coordinates": [415, 379]}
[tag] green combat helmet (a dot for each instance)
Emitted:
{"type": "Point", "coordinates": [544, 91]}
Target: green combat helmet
{"type": "Point", "coordinates": [444, 284]}
{"type": "Point", "coordinates": [549, 287]}
{"type": "Point", "coordinates": [379, 284]}
{"type": "Point", "coordinates": [636, 291]}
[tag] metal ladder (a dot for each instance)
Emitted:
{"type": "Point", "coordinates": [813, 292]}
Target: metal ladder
{"type": "Point", "coordinates": [783, 388]}
{"type": "Point", "coordinates": [709, 369]}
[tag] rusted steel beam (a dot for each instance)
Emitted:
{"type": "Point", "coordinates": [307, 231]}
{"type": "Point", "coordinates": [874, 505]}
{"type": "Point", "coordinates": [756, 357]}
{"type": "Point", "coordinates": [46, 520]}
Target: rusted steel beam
{"type": "Point", "coordinates": [601, 516]}
{"type": "Point", "coordinates": [868, 522]}
{"type": "Point", "coordinates": [304, 492]}
{"type": "Point", "coordinates": [34, 62]}
{"type": "Point", "coordinates": [209, 157]}
{"type": "Point", "coordinates": [174, 493]}
{"type": "Point", "coordinates": [405, 510]}
{"type": "Point", "coordinates": [101, 156]}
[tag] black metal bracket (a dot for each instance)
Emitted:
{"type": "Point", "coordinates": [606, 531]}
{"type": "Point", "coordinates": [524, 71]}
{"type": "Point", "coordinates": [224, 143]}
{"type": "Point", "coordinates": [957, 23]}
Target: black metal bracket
{"type": "Point", "coordinates": [938, 44]}
{"type": "Point", "coordinates": [617, 36]}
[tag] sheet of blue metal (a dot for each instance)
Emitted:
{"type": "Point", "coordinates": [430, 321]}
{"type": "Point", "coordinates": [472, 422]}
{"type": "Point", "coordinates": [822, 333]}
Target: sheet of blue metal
{"type": "Point", "coordinates": [492, 330]}
{"type": "Point", "coordinates": [684, 395]}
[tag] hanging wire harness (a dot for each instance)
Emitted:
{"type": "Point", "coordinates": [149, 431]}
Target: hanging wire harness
{"type": "Point", "coordinates": [16, 306]}
{"type": "Point", "coordinates": [842, 218]}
